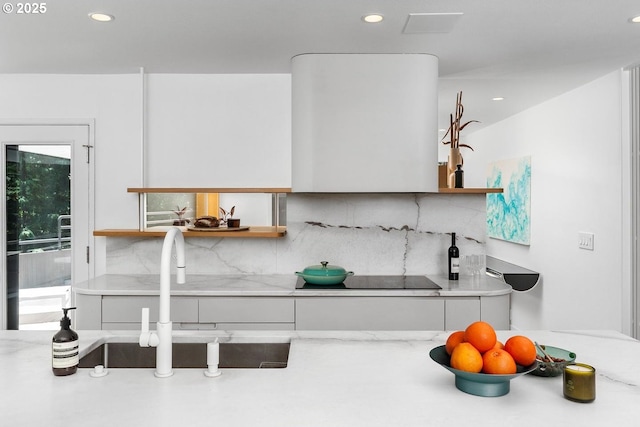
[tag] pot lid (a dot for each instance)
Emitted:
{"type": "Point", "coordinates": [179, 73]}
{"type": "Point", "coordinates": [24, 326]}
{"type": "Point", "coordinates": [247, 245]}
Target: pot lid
{"type": "Point", "coordinates": [324, 270]}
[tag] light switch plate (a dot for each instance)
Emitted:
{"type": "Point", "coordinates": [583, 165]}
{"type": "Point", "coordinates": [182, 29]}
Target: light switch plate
{"type": "Point", "coordinates": [585, 240]}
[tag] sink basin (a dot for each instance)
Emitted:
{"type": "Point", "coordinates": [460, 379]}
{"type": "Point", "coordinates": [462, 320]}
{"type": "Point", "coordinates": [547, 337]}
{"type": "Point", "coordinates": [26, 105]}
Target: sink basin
{"type": "Point", "coordinates": [189, 355]}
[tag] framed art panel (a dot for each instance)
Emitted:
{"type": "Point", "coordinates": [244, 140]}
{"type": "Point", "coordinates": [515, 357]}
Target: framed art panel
{"type": "Point", "coordinates": [509, 213]}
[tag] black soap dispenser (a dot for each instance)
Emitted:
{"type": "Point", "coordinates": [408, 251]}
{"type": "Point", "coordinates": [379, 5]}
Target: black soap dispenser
{"type": "Point", "coordinates": [64, 348]}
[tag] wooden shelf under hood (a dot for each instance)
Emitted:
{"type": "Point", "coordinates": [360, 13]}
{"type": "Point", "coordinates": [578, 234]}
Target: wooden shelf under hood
{"type": "Point", "coordinates": [446, 190]}
{"type": "Point", "coordinates": [268, 232]}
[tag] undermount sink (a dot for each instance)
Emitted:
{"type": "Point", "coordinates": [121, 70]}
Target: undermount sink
{"type": "Point", "coordinates": [189, 355]}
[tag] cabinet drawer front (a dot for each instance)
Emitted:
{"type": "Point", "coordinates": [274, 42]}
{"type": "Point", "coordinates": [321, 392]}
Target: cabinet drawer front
{"type": "Point", "coordinates": [460, 312]}
{"type": "Point", "coordinates": [370, 313]}
{"type": "Point", "coordinates": [186, 326]}
{"type": "Point", "coordinates": [497, 311]}
{"type": "Point", "coordinates": [246, 310]}
{"type": "Point", "coordinates": [124, 326]}
{"type": "Point", "coordinates": [259, 326]}
{"type": "Point", "coordinates": [129, 309]}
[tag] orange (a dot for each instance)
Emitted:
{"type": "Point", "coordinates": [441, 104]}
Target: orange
{"type": "Point", "coordinates": [497, 361]}
{"type": "Point", "coordinates": [522, 349]}
{"type": "Point", "coordinates": [466, 357]}
{"type": "Point", "coordinates": [481, 335]}
{"type": "Point", "coordinates": [454, 339]}
{"type": "Point", "coordinates": [499, 345]}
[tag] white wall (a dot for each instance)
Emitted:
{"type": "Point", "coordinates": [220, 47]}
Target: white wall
{"type": "Point", "coordinates": [190, 122]}
{"type": "Point", "coordinates": [575, 143]}
{"type": "Point", "coordinates": [225, 130]}
{"type": "Point", "coordinates": [113, 101]}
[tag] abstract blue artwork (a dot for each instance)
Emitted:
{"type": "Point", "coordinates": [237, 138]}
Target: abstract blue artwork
{"type": "Point", "coordinates": [509, 213]}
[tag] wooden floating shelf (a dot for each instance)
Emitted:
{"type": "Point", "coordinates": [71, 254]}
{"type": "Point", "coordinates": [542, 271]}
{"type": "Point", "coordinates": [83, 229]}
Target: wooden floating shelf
{"type": "Point", "coordinates": [257, 232]}
{"type": "Point", "coordinates": [207, 190]}
{"type": "Point", "coordinates": [446, 190]}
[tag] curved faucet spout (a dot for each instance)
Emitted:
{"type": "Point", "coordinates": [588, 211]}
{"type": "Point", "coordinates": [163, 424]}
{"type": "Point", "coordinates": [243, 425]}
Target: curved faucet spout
{"type": "Point", "coordinates": [164, 329]}
{"type": "Point", "coordinates": [174, 235]}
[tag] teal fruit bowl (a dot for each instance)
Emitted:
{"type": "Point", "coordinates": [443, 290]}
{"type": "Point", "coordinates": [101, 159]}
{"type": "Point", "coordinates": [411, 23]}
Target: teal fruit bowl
{"type": "Point", "coordinates": [552, 369]}
{"type": "Point", "coordinates": [486, 385]}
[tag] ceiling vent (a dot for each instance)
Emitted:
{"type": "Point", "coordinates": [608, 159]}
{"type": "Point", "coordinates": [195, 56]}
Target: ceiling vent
{"type": "Point", "coordinates": [418, 23]}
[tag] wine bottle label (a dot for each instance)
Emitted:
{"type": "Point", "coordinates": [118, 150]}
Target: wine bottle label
{"type": "Point", "coordinates": [65, 354]}
{"type": "Point", "coordinates": [455, 265]}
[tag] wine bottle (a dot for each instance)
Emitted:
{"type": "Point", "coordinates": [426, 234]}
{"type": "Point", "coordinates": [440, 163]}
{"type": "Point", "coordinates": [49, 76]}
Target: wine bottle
{"type": "Point", "coordinates": [454, 259]}
{"type": "Point", "coordinates": [459, 177]}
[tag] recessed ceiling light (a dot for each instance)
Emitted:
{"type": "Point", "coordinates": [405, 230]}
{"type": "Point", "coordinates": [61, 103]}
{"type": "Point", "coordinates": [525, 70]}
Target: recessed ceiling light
{"type": "Point", "coordinates": [635, 19]}
{"type": "Point", "coordinates": [497, 98]}
{"type": "Point", "coordinates": [373, 18]}
{"type": "Point", "coordinates": [101, 17]}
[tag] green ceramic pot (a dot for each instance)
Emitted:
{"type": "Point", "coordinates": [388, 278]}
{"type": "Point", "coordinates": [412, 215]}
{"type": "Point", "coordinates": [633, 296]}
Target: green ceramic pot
{"type": "Point", "coordinates": [324, 274]}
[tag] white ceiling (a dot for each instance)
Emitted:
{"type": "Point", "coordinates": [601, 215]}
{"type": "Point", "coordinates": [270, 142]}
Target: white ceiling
{"type": "Point", "coordinates": [526, 51]}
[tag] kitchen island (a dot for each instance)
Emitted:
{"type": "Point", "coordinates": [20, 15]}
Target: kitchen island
{"type": "Point", "coordinates": [332, 379]}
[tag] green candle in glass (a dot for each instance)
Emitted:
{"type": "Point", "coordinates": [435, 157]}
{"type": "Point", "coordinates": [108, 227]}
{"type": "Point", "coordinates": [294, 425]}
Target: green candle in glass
{"type": "Point", "coordinates": [579, 382]}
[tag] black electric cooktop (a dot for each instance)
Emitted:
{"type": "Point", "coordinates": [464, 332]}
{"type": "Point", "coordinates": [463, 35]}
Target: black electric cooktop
{"type": "Point", "coordinates": [375, 282]}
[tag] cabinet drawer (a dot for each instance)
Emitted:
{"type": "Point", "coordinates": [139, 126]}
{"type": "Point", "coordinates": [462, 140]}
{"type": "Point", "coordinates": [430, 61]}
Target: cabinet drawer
{"type": "Point", "coordinates": [126, 326]}
{"type": "Point", "coordinates": [497, 311]}
{"type": "Point", "coordinates": [460, 312]}
{"type": "Point", "coordinates": [129, 309]}
{"type": "Point", "coordinates": [370, 313]}
{"type": "Point", "coordinates": [246, 326]}
{"type": "Point", "coordinates": [246, 310]}
{"type": "Point", "coordinates": [89, 312]}
{"type": "Point", "coordinates": [187, 326]}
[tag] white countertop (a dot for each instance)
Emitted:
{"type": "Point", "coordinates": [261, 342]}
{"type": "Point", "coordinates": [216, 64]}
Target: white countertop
{"type": "Point", "coordinates": [275, 285]}
{"type": "Point", "coordinates": [333, 379]}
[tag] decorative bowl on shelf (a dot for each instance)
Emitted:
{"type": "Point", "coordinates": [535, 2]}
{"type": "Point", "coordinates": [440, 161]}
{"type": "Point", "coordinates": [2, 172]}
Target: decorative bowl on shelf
{"type": "Point", "coordinates": [561, 358]}
{"type": "Point", "coordinates": [486, 385]}
{"type": "Point", "coordinates": [233, 222]}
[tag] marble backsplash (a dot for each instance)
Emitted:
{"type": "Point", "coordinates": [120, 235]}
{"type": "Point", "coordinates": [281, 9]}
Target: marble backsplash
{"type": "Point", "coordinates": [365, 233]}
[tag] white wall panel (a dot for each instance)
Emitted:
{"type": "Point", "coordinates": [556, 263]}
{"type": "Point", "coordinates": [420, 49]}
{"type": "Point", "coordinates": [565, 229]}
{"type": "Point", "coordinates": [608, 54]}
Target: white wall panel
{"type": "Point", "coordinates": [225, 130]}
{"type": "Point", "coordinates": [575, 143]}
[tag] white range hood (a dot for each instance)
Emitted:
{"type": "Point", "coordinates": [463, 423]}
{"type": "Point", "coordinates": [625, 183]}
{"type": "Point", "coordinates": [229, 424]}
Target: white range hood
{"type": "Point", "coordinates": [364, 123]}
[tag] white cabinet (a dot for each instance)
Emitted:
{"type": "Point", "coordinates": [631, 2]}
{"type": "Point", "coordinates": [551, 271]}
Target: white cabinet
{"type": "Point", "coordinates": [370, 313]}
{"type": "Point", "coordinates": [88, 315]}
{"type": "Point", "coordinates": [190, 313]}
{"type": "Point", "coordinates": [129, 308]}
{"type": "Point", "coordinates": [246, 313]}
{"type": "Point", "coordinates": [497, 311]}
{"type": "Point", "coordinates": [301, 313]}
{"type": "Point", "coordinates": [230, 129]}
{"type": "Point", "coordinates": [364, 123]}
{"type": "Point", "coordinates": [124, 312]}
{"type": "Point", "coordinates": [460, 312]}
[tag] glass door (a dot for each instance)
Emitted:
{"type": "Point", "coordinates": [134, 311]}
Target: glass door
{"type": "Point", "coordinates": [47, 220]}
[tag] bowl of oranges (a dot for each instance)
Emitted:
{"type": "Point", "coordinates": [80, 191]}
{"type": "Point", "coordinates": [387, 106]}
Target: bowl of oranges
{"type": "Point", "coordinates": [482, 365]}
